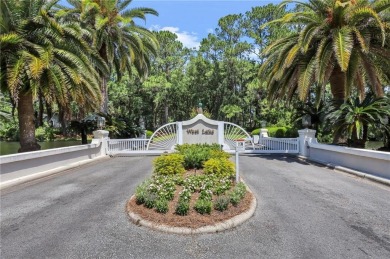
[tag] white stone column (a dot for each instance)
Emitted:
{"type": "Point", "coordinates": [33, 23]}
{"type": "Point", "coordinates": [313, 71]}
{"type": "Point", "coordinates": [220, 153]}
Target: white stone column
{"type": "Point", "coordinates": [180, 133]}
{"type": "Point", "coordinates": [221, 133]}
{"type": "Point", "coordinates": [263, 133]}
{"type": "Point", "coordinates": [101, 136]}
{"type": "Point", "coordinates": [305, 136]}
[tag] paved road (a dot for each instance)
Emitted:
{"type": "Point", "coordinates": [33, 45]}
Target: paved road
{"type": "Point", "coordinates": [304, 211]}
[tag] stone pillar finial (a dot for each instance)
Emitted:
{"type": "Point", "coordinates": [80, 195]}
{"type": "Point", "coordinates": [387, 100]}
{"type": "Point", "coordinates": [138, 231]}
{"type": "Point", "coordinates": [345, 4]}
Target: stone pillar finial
{"type": "Point", "coordinates": [200, 109]}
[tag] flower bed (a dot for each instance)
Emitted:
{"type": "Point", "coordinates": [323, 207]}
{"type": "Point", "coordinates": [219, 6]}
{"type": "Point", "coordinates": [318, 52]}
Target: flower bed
{"type": "Point", "coordinates": [192, 187]}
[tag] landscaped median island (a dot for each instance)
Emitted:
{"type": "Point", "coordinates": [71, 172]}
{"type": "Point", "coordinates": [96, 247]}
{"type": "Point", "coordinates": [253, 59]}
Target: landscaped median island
{"type": "Point", "coordinates": [192, 189]}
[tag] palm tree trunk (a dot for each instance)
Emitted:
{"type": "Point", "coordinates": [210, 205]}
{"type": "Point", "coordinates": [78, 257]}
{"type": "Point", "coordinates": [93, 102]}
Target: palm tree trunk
{"type": "Point", "coordinates": [26, 123]}
{"type": "Point", "coordinates": [103, 85]}
{"type": "Point", "coordinates": [40, 111]}
{"type": "Point", "coordinates": [104, 91]}
{"type": "Point", "coordinates": [49, 112]}
{"type": "Point", "coordinates": [337, 86]}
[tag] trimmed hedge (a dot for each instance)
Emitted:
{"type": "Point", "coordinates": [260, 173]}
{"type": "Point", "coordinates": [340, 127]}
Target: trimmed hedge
{"type": "Point", "coordinates": [196, 154]}
{"type": "Point", "coordinates": [169, 164]}
{"type": "Point", "coordinates": [279, 132]}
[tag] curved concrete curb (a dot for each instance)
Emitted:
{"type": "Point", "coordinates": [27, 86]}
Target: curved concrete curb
{"type": "Point", "coordinates": [225, 225]}
{"type": "Point", "coordinates": [35, 176]}
{"type": "Point", "coordinates": [349, 171]}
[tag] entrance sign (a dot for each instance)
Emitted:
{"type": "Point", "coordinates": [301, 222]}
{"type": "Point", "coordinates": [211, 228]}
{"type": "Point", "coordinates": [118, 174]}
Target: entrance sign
{"type": "Point", "coordinates": [200, 130]}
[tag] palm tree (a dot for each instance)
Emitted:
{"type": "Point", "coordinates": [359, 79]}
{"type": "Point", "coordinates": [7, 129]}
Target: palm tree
{"type": "Point", "coordinates": [40, 55]}
{"type": "Point", "coordinates": [354, 117]}
{"type": "Point", "coordinates": [120, 42]}
{"type": "Point", "coordinates": [343, 43]}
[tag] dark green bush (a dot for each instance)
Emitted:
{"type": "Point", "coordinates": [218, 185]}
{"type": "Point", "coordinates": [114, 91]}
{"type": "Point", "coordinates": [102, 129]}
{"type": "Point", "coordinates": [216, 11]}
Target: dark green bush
{"type": "Point", "coordinates": [279, 132]}
{"type": "Point", "coordinates": [182, 207]}
{"type": "Point", "coordinates": [255, 132]}
{"type": "Point", "coordinates": [140, 193]}
{"type": "Point", "coordinates": [148, 133]}
{"type": "Point", "coordinates": [203, 206]}
{"type": "Point", "coordinates": [234, 199]}
{"type": "Point", "coordinates": [150, 200]}
{"type": "Point", "coordinates": [237, 194]}
{"type": "Point", "coordinates": [169, 164]}
{"type": "Point", "coordinates": [221, 203]}
{"type": "Point", "coordinates": [161, 206]}
{"type": "Point", "coordinates": [196, 154]}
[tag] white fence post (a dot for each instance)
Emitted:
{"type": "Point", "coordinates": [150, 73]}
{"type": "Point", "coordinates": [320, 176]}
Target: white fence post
{"type": "Point", "coordinates": [304, 137]}
{"type": "Point", "coordinates": [101, 136]}
{"type": "Point", "coordinates": [263, 133]}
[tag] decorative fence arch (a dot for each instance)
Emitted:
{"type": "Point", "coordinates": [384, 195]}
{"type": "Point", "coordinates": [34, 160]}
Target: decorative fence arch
{"type": "Point", "coordinates": [232, 132]}
{"type": "Point", "coordinates": [164, 138]}
{"type": "Point", "coordinates": [200, 130]}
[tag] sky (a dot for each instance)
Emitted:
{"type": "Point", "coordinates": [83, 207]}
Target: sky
{"type": "Point", "coordinates": [192, 20]}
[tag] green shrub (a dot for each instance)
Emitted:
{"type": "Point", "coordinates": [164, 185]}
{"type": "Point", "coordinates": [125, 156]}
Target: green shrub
{"type": "Point", "coordinates": [163, 186]}
{"type": "Point", "coordinates": [221, 203]}
{"type": "Point", "coordinates": [219, 154]}
{"type": "Point", "coordinates": [196, 154]}
{"type": "Point", "coordinates": [234, 198]}
{"type": "Point", "coordinates": [150, 200]}
{"type": "Point", "coordinates": [9, 130]}
{"type": "Point", "coordinates": [182, 207]}
{"type": "Point", "coordinates": [141, 192]}
{"type": "Point", "coordinates": [219, 167]}
{"type": "Point", "coordinates": [221, 186]}
{"type": "Point", "coordinates": [169, 164]}
{"type": "Point", "coordinates": [203, 206]}
{"type": "Point", "coordinates": [206, 195]}
{"type": "Point", "coordinates": [255, 132]}
{"type": "Point", "coordinates": [240, 189]}
{"type": "Point", "coordinates": [148, 133]}
{"type": "Point", "coordinates": [161, 206]}
{"type": "Point", "coordinates": [237, 194]}
{"type": "Point", "coordinates": [279, 132]}
{"type": "Point", "coordinates": [44, 133]}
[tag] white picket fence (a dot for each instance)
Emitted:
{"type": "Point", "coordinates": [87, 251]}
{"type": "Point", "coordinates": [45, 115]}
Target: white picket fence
{"type": "Point", "coordinates": [118, 146]}
{"type": "Point", "coordinates": [277, 145]}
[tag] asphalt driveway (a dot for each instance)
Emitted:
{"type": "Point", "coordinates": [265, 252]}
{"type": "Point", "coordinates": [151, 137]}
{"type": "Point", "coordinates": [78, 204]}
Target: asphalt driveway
{"type": "Point", "coordinates": [304, 211]}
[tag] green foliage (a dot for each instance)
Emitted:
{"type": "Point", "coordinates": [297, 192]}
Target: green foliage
{"type": "Point", "coordinates": [354, 117]}
{"type": "Point", "coordinates": [279, 132]}
{"type": "Point", "coordinates": [203, 206]}
{"type": "Point", "coordinates": [221, 203]}
{"type": "Point", "coordinates": [44, 133]}
{"type": "Point", "coordinates": [196, 154]}
{"type": "Point", "coordinates": [219, 167]}
{"type": "Point", "coordinates": [237, 194]}
{"type": "Point", "coordinates": [150, 200]}
{"type": "Point", "coordinates": [149, 133]}
{"type": "Point", "coordinates": [255, 132]}
{"type": "Point", "coordinates": [161, 206]}
{"type": "Point", "coordinates": [301, 61]}
{"type": "Point", "coordinates": [164, 186]}
{"type": "Point", "coordinates": [222, 185]}
{"type": "Point", "coordinates": [219, 154]}
{"type": "Point", "coordinates": [182, 207]}
{"type": "Point", "coordinates": [234, 199]}
{"type": "Point", "coordinates": [169, 164]}
{"type": "Point", "coordinates": [141, 192]}
{"type": "Point", "coordinates": [9, 130]}
{"type": "Point", "coordinates": [206, 195]}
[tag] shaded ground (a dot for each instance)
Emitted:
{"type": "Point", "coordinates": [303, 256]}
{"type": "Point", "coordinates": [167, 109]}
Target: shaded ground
{"type": "Point", "coordinates": [303, 211]}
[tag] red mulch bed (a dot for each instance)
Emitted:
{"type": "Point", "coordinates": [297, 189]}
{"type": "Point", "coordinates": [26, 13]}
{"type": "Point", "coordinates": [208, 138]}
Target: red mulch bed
{"type": "Point", "coordinates": [193, 219]}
